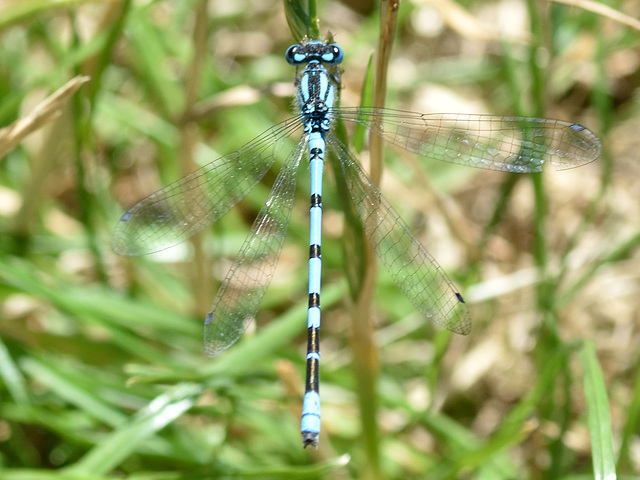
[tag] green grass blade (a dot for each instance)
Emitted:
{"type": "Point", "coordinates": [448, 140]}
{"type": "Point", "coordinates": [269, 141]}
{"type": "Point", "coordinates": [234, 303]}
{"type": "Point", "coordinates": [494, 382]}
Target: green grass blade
{"type": "Point", "coordinates": [302, 19]}
{"type": "Point", "coordinates": [12, 377]}
{"type": "Point", "coordinates": [599, 420]}
{"type": "Point", "coordinates": [632, 421]}
{"type": "Point", "coordinates": [366, 100]}
{"type": "Point", "coordinates": [25, 9]}
{"type": "Point", "coordinates": [125, 440]}
{"type": "Point", "coordinates": [66, 387]}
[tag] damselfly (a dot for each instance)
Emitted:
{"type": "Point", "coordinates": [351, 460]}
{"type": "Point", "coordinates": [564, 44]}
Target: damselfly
{"type": "Point", "coordinates": [178, 211]}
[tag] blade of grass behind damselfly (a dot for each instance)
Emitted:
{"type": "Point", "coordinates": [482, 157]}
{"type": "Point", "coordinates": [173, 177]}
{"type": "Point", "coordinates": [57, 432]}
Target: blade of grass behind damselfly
{"type": "Point", "coordinates": [599, 419]}
{"type": "Point", "coordinates": [302, 19]}
{"type": "Point", "coordinates": [127, 438]}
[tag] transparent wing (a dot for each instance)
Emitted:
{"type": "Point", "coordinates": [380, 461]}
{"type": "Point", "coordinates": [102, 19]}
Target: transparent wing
{"type": "Point", "coordinates": [412, 268]}
{"type": "Point", "coordinates": [242, 290]}
{"type": "Point", "coordinates": [510, 144]}
{"type": "Point", "coordinates": [187, 206]}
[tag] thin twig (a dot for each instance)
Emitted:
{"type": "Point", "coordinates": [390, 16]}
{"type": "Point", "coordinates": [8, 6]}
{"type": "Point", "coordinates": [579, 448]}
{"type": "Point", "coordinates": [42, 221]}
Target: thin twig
{"type": "Point", "coordinates": [43, 113]}
{"type": "Point", "coordinates": [603, 10]}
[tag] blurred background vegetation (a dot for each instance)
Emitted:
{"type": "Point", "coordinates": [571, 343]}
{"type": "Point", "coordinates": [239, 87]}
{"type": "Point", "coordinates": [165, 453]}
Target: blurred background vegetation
{"type": "Point", "coordinates": [102, 373]}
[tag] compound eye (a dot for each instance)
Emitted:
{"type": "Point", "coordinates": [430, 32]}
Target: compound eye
{"type": "Point", "coordinates": [338, 55]}
{"type": "Point", "coordinates": [332, 54]}
{"type": "Point", "coordinates": [293, 56]}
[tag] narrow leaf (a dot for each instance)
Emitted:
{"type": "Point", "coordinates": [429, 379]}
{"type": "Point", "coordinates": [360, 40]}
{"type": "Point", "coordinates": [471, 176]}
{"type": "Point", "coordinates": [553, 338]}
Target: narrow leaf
{"type": "Point", "coordinates": [598, 414]}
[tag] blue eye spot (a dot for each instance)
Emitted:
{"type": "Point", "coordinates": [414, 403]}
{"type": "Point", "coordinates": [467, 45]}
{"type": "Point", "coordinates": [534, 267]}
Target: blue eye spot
{"type": "Point", "coordinates": [338, 55]}
{"type": "Point", "coordinates": [293, 57]}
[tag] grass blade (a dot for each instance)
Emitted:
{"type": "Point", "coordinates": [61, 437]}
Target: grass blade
{"type": "Point", "coordinates": [595, 391]}
{"type": "Point", "coordinates": [122, 442]}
